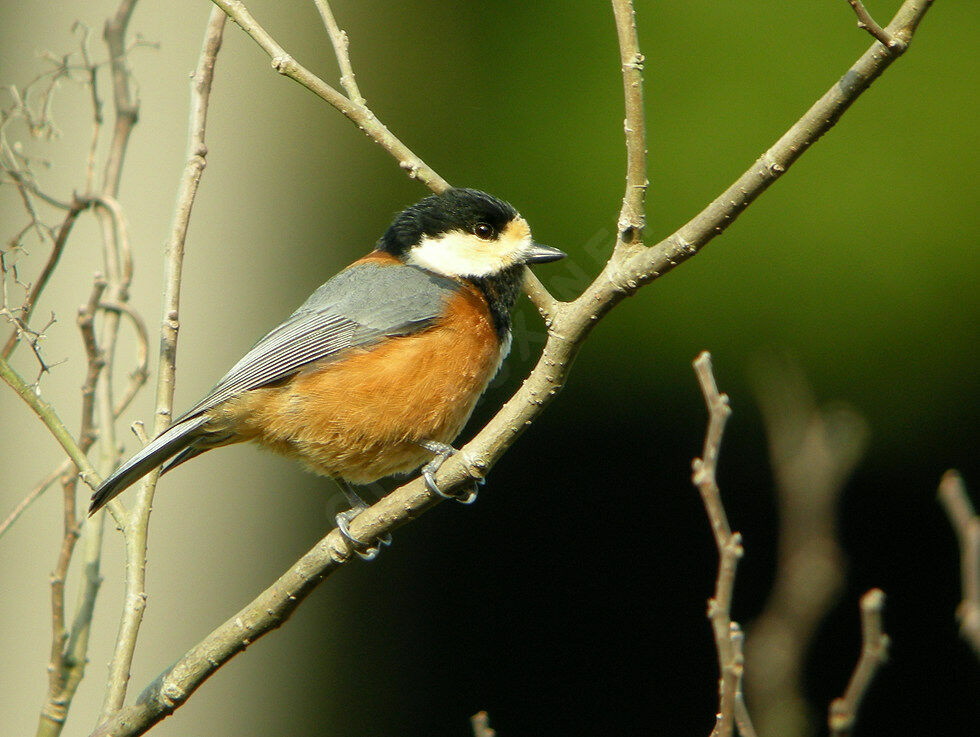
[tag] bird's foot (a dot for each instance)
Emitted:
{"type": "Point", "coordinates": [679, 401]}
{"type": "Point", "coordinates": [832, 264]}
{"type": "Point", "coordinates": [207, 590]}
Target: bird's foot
{"type": "Point", "coordinates": [364, 551]}
{"type": "Point", "coordinates": [466, 495]}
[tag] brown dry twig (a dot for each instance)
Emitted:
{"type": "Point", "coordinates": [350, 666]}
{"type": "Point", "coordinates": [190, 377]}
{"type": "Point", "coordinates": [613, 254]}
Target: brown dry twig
{"type": "Point", "coordinates": [966, 523]}
{"type": "Point", "coordinates": [874, 652]}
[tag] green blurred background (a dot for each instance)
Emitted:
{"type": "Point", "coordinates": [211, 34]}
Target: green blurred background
{"type": "Point", "coordinates": [570, 599]}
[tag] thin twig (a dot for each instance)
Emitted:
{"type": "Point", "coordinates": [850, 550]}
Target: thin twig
{"type": "Point", "coordinates": [728, 634]}
{"type": "Point", "coordinates": [867, 23]}
{"type": "Point", "coordinates": [42, 280]}
{"type": "Point", "coordinates": [138, 524]}
{"type": "Point", "coordinates": [33, 494]}
{"type": "Point", "coordinates": [49, 417]}
{"type": "Point", "coordinates": [87, 434]}
{"type": "Point", "coordinates": [540, 297]}
{"type": "Point", "coordinates": [95, 362]}
{"type": "Point", "coordinates": [98, 399]}
{"type": "Point", "coordinates": [966, 523]}
{"type": "Point", "coordinates": [360, 115]}
{"type": "Point", "coordinates": [55, 709]}
{"type": "Point", "coordinates": [705, 466]}
{"type": "Point", "coordinates": [97, 119]}
{"type": "Point", "coordinates": [690, 238]}
{"type": "Point", "coordinates": [139, 374]}
{"type": "Point", "coordinates": [125, 104]}
{"type": "Point", "coordinates": [341, 48]}
{"type": "Point", "coordinates": [66, 666]}
{"type": "Point", "coordinates": [631, 219]}
{"type": "Point", "coordinates": [874, 652]}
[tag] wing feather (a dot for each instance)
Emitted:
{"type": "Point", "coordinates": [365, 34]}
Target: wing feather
{"type": "Point", "coordinates": [361, 305]}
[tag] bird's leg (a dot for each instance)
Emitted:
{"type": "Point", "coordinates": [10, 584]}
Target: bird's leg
{"type": "Point", "coordinates": [343, 519]}
{"type": "Point", "coordinates": [443, 451]}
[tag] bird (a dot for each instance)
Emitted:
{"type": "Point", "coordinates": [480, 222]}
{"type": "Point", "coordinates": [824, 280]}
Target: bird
{"type": "Point", "coordinates": [377, 372]}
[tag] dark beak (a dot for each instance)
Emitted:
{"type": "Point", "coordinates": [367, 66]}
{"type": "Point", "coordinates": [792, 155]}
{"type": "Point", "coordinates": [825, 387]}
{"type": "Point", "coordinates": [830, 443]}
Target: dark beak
{"type": "Point", "coordinates": [539, 254]}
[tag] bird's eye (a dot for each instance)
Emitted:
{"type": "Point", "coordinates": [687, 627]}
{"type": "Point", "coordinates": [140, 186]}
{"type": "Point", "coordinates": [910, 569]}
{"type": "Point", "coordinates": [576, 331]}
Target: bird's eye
{"type": "Point", "coordinates": [483, 230]}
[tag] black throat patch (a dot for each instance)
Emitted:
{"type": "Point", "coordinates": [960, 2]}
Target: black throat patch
{"type": "Point", "coordinates": [501, 292]}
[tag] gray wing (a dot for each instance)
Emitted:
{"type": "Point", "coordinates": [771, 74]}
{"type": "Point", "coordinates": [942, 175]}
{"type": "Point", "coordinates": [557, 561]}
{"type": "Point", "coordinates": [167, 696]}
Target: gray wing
{"type": "Point", "coordinates": [357, 307]}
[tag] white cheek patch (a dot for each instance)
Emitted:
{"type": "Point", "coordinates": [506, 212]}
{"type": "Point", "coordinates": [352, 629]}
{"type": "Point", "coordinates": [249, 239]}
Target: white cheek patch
{"type": "Point", "coordinates": [458, 253]}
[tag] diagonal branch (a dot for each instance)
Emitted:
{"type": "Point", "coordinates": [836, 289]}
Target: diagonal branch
{"type": "Point", "coordinates": [821, 117]}
{"type": "Point", "coordinates": [56, 427]}
{"type": "Point", "coordinates": [356, 112]}
{"type": "Point", "coordinates": [355, 109]}
{"type": "Point", "coordinates": [57, 248]}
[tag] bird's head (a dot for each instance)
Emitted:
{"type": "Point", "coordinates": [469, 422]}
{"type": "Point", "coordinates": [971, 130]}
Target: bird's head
{"type": "Point", "coordinates": [464, 233]}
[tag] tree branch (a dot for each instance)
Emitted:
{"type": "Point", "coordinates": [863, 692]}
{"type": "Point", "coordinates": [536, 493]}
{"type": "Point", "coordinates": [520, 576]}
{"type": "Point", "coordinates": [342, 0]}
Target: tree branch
{"type": "Point", "coordinates": [631, 218]}
{"type": "Point", "coordinates": [49, 417]}
{"type": "Point", "coordinates": [354, 108]}
{"type": "Point", "coordinates": [690, 238]}
{"type": "Point", "coordinates": [728, 634]}
{"type": "Point", "coordinates": [874, 653]}
{"type": "Point", "coordinates": [341, 48]}
{"type": "Point", "coordinates": [137, 526]}
{"type": "Point", "coordinates": [126, 106]}
{"type": "Point", "coordinates": [33, 494]}
{"type": "Point", "coordinates": [867, 23]}
{"type": "Point", "coordinates": [357, 113]}
{"type": "Point", "coordinates": [42, 281]}
{"type": "Point", "coordinates": [966, 523]}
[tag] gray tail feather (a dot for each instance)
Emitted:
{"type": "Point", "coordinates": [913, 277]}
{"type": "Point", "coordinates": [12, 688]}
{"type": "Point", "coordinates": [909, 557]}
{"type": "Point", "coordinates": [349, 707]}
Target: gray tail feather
{"type": "Point", "coordinates": [169, 443]}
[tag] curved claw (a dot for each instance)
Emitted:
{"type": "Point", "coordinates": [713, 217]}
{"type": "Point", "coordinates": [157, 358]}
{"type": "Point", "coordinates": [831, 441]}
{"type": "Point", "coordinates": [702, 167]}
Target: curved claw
{"type": "Point", "coordinates": [463, 496]}
{"type": "Point", "coordinates": [466, 495]}
{"type": "Point", "coordinates": [363, 550]}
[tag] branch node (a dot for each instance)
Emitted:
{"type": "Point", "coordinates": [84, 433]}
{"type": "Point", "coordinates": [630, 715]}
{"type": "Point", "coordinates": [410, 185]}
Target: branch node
{"type": "Point", "coordinates": [866, 23]}
{"type": "Point", "coordinates": [284, 64]}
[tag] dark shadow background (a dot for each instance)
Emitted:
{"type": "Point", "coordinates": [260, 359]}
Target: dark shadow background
{"type": "Point", "coordinates": [570, 599]}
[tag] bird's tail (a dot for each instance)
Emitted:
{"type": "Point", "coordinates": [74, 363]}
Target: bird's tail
{"type": "Point", "coordinates": [167, 444]}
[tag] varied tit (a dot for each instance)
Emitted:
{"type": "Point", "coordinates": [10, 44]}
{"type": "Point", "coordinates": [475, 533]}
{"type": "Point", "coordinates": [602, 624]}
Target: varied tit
{"type": "Point", "coordinates": [378, 371]}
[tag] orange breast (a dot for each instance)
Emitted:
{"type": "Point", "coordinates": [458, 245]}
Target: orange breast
{"type": "Point", "coordinates": [362, 416]}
